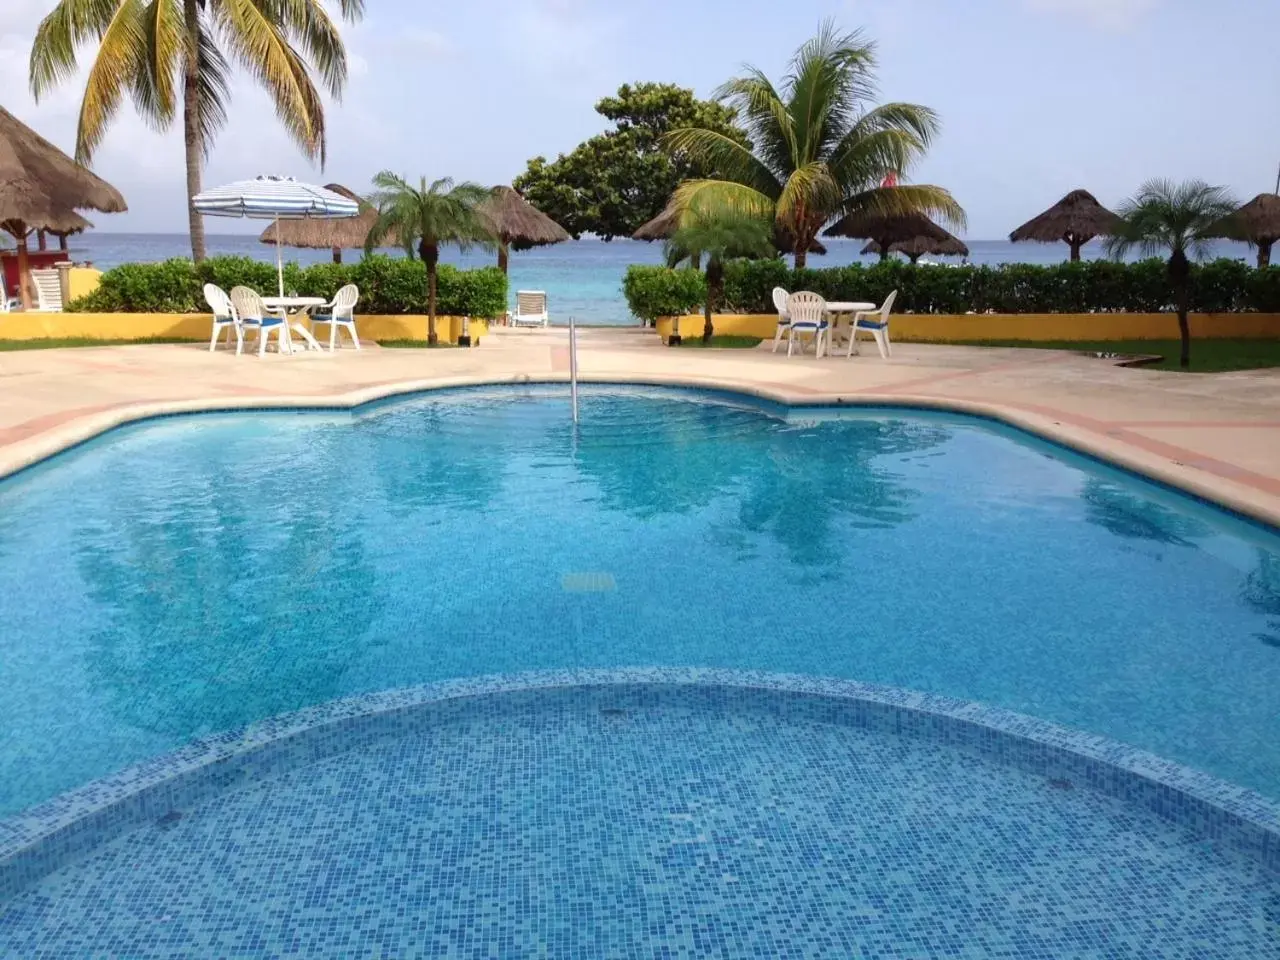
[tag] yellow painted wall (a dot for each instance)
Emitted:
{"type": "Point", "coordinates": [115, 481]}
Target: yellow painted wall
{"type": "Point", "coordinates": [1031, 326]}
{"type": "Point", "coordinates": [195, 326]}
{"type": "Point", "coordinates": [84, 280]}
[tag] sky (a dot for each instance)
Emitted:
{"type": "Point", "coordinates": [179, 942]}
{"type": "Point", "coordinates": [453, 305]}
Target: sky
{"type": "Point", "coordinates": [1037, 97]}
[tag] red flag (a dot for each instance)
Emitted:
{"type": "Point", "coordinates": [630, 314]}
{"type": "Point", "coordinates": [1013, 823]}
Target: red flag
{"type": "Point", "coordinates": [891, 180]}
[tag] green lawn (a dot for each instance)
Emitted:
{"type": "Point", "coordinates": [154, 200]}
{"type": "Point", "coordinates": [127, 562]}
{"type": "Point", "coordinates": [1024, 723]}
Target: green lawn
{"type": "Point", "coordinates": [726, 342]}
{"type": "Point", "coordinates": [1207, 356]}
{"type": "Point", "coordinates": [49, 343]}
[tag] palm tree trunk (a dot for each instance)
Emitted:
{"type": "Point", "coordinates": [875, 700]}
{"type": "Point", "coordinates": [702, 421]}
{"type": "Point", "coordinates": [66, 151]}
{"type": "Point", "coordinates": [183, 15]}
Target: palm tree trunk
{"type": "Point", "coordinates": [1180, 276]}
{"type": "Point", "coordinates": [502, 256]}
{"type": "Point", "coordinates": [1264, 253]}
{"type": "Point", "coordinates": [191, 125]}
{"type": "Point", "coordinates": [715, 281]}
{"type": "Point", "coordinates": [800, 254]}
{"type": "Point", "coordinates": [430, 254]}
{"type": "Point", "coordinates": [1075, 250]}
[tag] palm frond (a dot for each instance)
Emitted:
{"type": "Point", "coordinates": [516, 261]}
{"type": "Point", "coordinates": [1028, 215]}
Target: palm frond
{"type": "Point", "coordinates": [259, 43]}
{"type": "Point", "coordinates": [1166, 217]}
{"type": "Point", "coordinates": [120, 58]}
{"type": "Point", "coordinates": [765, 117]}
{"type": "Point", "coordinates": [726, 156]}
{"type": "Point", "coordinates": [862, 162]}
{"type": "Point", "coordinates": [720, 197]}
{"type": "Point", "coordinates": [155, 80]}
{"type": "Point", "coordinates": [317, 36]}
{"type": "Point", "coordinates": [69, 24]}
{"type": "Point", "coordinates": [808, 191]}
{"type": "Point", "coordinates": [831, 76]}
{"type": "Point", "coordinates": [930, 201]}
{"type": "Point", "coordinates": [215, 88]}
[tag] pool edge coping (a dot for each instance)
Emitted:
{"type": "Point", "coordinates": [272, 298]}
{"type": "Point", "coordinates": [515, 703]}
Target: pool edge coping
{"type": "Point", "coordinates": [1239, 498]}
{"type": "Point", "coordinates": [43, 839]}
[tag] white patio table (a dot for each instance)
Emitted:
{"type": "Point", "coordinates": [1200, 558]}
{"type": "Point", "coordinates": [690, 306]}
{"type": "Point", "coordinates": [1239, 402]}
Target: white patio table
{"type": "Point", "coordinates": [294, 310]}
{"type": "Point", "coordinates": [845, 308]}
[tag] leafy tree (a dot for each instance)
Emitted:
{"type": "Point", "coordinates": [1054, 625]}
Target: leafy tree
{"type": "Point", "coordinates": [719, 238]}
{"type": "Point", "coordinates": [817, 149]}
{"type": "Point", "coordinates": [1178, 218]}
{"type": "Point", "coordinates": [165, 52]}
{"type": "Point", "coordinates": [430, 216]}
{"type": "Point", "coordinates": [614, 182]}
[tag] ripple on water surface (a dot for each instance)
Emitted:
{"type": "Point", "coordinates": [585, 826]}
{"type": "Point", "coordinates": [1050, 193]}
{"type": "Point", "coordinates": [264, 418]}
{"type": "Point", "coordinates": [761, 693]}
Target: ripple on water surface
{"type": "Point", "coordinates": [194, 575]}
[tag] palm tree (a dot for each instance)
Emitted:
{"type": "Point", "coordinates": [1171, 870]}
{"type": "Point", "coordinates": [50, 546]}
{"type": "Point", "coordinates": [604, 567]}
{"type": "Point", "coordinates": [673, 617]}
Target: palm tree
{"type": "Point", "coordinates": [1177, 218]}
{"type": "Point", "coordinates": [718, 237]}
{"type": "Point", "coordinates": [162, 52]}
{"type": "Point", "coordinates": [430, 216]}
{"type": "Point", "coordinates": [819, 149]}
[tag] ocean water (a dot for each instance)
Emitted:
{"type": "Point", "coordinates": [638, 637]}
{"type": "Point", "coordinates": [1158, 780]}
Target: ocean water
{"type": "Point", "coordinates": [583, 278]}
{"type": "Point", "coordinates": [193, 575]}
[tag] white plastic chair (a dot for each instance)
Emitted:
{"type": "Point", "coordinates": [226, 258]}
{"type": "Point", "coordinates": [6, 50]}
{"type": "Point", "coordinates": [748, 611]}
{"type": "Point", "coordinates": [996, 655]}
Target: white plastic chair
{"type": "Point", "coordinates": [876, 322]}
{"type": "Point", "coordinates": [341, 313]}
{"type": "Point", "coordinates": [531, 309]}
{"type": "Point", "coordinates": [48, 290]}
{"type": "Point", "coordinates": [7, 302]}
{"type": "Point", "coordinates": [224, 317]}
{"type": "Point", "coordinates": [808, 314]}
{"type": "Point", "coordinates": [251, 312]}
{"type": "Point", "coordinates": [784, 322]}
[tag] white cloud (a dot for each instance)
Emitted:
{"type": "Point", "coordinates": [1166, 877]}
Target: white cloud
{"type": "Point", "coordinates": [1113, 15]}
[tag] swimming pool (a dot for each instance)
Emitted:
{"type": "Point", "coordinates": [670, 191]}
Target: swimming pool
{"type": "Point", "coordinates": [190, 575]}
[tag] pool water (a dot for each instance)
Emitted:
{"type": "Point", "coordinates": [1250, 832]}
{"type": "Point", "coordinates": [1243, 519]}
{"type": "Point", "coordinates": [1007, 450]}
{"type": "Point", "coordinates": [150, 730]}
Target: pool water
{"type": "Point", "coordinates": [191, 575]}
{"type": "Point", "coordinates": [652, 822]}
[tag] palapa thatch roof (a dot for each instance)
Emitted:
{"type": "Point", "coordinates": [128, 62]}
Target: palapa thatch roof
{"type": "Point", "coordinates": [1076, 219]}
{"type": "Point", "coordinates": [922, 246]}
{"type": "Point", "coordinates": [1258, 221]}
{"type": "Point", "coordinates": [888, 228]}
{"type": "Point", "coordinates": [517, 223]}
{"type": "Point", "coordinates": [65, 224]}
{"type": "Point", "coordinates": [342, 233]}
{"type": "Point", "coordinates": [40, 186]}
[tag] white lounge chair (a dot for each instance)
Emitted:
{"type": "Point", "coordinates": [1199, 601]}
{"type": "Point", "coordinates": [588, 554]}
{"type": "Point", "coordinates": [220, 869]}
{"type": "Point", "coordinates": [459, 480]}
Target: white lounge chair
{"type": "Point", "coordinates": [808, 314]}
{"type": "Point", "coordinates": [340, 313]}
{"type": "Point", "coordinates": [531, 309]}
{"type": "Point", "coordinates": [252, 313]}
{"type": "Point", "coordinates": [224, 317]}
{"type": "Point", "coordinates": [7, 302]}
{"type": "Point", "coordinates": [784, 322]}
{"type": "Point", "coordinates": [48, 290]}
{"type": "Point", "coordinates": [877, 324]}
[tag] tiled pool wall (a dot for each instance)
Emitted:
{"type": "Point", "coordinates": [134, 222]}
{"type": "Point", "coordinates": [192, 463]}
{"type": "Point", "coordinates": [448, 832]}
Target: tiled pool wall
{"type": "Point", "coordinates": [46, 837]}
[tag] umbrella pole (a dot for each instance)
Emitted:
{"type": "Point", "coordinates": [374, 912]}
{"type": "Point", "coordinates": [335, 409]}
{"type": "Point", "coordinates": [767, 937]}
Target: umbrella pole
{"type": "Point", "coordinates": [279, 258]}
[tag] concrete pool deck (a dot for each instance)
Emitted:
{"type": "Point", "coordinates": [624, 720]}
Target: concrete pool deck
{"type": "Point", "coordinates": [1215, 435]}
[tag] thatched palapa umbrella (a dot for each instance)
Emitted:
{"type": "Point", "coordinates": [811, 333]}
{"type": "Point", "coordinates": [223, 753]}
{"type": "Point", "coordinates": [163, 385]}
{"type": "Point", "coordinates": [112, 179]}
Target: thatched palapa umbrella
{"type": "Point", "coordinates": [42, 187]}
{"type": "Point", "coordinates": [517, 223]}
{"type": "Point", "coordinates": [885, 230]}
{"type": "Point", "coordinates": [346, 233]}
{"type": "Point", "coordinates": [70, 224]}
{"type": "Point", "coordinates": [918, 247]}
{"type": "Point", "coordinates": [1075, 219]}
{"type": "Point", "coordinates": [1257, 222]}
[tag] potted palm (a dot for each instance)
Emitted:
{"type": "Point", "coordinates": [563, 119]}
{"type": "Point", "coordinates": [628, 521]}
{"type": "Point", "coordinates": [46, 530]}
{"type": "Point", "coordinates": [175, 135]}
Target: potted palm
{"type": "Point", "coordinates": [715, 236]}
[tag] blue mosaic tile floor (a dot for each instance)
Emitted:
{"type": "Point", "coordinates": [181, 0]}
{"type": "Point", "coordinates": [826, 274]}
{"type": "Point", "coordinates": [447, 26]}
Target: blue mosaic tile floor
{"type": "Point", "coordinates": [594, 823]}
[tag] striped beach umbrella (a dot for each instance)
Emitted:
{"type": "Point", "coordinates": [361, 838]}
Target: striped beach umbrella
{"type": "Point", "coordinates": [275, 198]}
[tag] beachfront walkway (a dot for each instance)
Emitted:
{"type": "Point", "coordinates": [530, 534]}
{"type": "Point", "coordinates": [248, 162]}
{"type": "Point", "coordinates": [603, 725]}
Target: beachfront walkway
{"type": "Point", "coordinates": [1216, 434]}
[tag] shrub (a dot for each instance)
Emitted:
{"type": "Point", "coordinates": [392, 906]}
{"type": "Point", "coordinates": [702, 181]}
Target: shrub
{"type": "Point", "coordinates": [1097, 286]}
{"type": "Point", "coordinates": [654, 292]}
{"type": "Point", "coordinates": [386, 285]}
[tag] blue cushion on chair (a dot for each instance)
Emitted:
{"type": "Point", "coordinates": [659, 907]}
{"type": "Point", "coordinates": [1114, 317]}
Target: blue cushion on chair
{"type": "Point", "coordinates": [873, 324]}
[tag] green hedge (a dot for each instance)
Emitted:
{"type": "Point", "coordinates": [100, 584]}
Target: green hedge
{"type": "Point", "coordinates": [387, 285]}
{"type": "Point", "coordinates": [1097, 286]}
